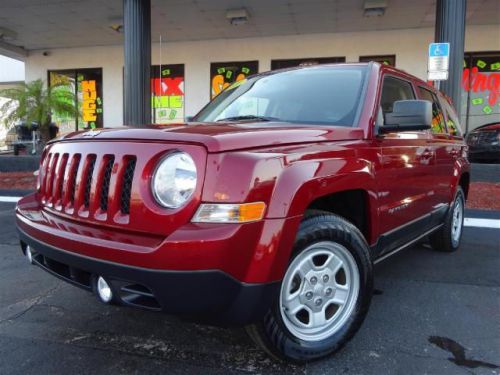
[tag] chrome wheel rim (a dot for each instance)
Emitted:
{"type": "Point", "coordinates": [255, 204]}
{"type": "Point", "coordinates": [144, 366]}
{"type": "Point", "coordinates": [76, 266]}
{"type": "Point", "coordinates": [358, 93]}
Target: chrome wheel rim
{"type": "Point", "coordinates": [457, 222]}
{"type": "Point", "coordinates": [319, 291]}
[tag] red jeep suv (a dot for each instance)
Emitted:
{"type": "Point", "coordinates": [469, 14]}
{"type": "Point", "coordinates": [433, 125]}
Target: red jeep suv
{"type": "Point", "coordinates": [268, 210]}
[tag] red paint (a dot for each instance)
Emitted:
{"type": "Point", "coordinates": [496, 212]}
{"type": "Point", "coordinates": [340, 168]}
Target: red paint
{"type": "Point", "coordinates": [167, 86]}
{"type": "Point", "coordinates": [484, 196]}
{"type": "Point", "coordinates": [287, 167]}
{"type": "Point", "coordinates": [490, 127]}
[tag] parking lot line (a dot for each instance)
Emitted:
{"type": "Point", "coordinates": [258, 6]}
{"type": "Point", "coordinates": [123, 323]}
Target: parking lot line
{"type": "Point", "coordinates": [9, 199]}
{"type": "Point", "coordinates": [481, 223]}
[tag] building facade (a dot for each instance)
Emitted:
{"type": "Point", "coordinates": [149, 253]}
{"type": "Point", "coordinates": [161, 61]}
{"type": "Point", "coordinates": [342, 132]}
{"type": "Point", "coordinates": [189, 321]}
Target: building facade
{"type": "Point", "coordinates": [193, 78]}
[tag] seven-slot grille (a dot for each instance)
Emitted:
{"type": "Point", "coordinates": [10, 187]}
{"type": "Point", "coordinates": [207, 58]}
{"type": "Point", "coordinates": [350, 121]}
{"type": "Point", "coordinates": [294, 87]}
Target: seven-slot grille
{"type": "Point", "coordinates": [72, 183]}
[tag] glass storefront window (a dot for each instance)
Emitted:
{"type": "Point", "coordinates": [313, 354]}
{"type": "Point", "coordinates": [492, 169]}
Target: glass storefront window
{"type": "Point", "coordinates": [87, 86]}
{"type": "Point", "coordinates": [480, 90]}
{"type": "Point", "coordinates": [223, 74]}
{"type": "Point", "coordinates": [306, 61]}
{"type": "Point", "coordinates": [382, 59]}
{"type": "Point", "coordinates": [167, 93]}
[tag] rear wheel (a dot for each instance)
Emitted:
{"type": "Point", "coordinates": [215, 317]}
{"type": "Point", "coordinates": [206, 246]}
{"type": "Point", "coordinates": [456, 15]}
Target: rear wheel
{"type": "Point", "coordinates": [325, 293]}
{"type": "Point", "coordinates": [447, 238]}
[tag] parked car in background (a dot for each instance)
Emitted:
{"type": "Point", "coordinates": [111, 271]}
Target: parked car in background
{"type": "Point", "coordinates": [269, 210]}
{"type": "Point", "coordinates": [484, 143]}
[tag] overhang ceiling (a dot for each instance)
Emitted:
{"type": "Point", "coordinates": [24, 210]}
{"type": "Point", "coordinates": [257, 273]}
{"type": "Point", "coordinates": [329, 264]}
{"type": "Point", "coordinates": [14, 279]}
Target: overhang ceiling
{"type": "Point", "coordinates": [40, 24]}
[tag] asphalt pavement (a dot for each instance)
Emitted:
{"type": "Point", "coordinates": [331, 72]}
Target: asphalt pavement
{"type": "Point", "coordinates": [432, 313]}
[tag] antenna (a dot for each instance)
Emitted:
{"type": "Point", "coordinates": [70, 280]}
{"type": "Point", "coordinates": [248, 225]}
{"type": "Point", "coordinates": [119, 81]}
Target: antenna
{"type": "Point", "coordinates": [155, 95]}
{"type": "Point", "coordinates": [161, 74]}
{"type": "Point", "coordinates": [160, 58]}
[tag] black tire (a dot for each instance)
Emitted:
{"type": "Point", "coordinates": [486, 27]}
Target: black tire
{"type": "Point", "coordinates": [442, 239]}
{"type": "Point", "coordinates": [271, 333]}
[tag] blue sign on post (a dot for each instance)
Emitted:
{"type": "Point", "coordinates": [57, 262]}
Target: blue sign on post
{"type": "Point", "coordinates": [439, 58]}
{"type": "Point", "coordinates": [439, 49]}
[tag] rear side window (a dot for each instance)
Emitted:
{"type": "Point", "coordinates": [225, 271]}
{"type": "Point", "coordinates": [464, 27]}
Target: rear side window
{"type": "Point", "coordinates": [438, 126]}
{"type": "Point", "coordinates": [452, 122]}
{"type": "Point", "coordinates": [394, 89]}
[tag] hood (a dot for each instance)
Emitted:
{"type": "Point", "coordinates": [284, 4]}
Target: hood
{"type": "Point", "coordinates": [224, 136]}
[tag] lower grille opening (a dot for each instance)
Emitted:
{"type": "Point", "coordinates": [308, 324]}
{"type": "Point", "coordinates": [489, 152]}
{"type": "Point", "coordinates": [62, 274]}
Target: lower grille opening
{"type": "Point", "coordinates": [63, 271]}
{"type": "Point", "coordinates": [132, 294]}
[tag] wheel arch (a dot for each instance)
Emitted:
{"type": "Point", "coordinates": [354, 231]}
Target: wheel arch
{"type": "Point", "coordinates": [464, 183]}
{"type": "Point", "coordinates": [300, 188]}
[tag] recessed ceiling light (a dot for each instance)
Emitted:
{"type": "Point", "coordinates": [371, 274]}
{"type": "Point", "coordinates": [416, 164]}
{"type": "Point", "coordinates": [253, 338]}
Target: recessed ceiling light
{"type": "Point", "coordinates": [237, 17]}
{"type": "Point", "coordinates": [374, 8]}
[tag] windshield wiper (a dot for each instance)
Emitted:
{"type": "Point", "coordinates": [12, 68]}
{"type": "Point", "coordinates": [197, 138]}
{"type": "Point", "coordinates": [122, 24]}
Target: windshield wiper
{"type": "Point", "coordinates": [249, 117]}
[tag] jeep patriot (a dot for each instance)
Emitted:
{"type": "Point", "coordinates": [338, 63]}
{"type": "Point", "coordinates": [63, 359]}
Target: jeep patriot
{"type": "Point", "coordinates": [268, 210]}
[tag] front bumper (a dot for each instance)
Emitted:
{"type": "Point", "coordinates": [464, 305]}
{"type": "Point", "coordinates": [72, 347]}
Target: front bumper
{"type": "Point", "coordinates": [210, 295]}
{"type": "Point", "coordinates": [222, 273]}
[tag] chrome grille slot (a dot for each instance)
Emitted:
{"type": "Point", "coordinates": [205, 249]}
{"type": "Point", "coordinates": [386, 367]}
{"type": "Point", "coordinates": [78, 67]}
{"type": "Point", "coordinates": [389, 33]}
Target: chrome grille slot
{"type": "Point", "coordinates": [72, 179]}
{"type": "Point", "coordinates": [126, 185]}
{"type": "Point", "coordinates": [88, 181]}
{"type": "Point", "coordinates": [110, 160]}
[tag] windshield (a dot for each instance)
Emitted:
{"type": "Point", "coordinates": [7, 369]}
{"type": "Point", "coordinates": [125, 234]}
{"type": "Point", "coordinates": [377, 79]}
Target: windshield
{"type": "Point", "coordinates": [317, 95]}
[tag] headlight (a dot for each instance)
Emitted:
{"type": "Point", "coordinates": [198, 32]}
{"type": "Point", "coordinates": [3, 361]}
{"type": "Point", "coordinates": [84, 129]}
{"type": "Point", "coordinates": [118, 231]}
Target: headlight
{"type": "Point", "coordinates": [174, 180]}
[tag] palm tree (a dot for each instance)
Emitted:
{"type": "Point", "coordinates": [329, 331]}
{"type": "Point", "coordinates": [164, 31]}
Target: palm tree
{"type": "Point", "coordinates": [33, 102]}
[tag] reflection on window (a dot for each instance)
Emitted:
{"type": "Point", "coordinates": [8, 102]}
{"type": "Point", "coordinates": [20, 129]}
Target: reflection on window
{"type": "Point", "coordinates": [438, 124]}
{"type": "Point", "coordinates": [316, 95]}
{"type": "Point", "coordinates": [452, 122]}
{"type": "Point", "coordinates": [247, 106]}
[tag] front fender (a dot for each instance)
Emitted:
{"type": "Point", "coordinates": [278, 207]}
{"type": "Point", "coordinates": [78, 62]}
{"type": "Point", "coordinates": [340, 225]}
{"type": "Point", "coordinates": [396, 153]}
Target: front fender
{"type": "Point", "coordinates": [302, 183]}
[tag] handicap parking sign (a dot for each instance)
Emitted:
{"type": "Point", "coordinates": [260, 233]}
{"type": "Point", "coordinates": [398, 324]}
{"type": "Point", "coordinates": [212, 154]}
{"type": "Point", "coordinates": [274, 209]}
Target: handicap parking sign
{"type": "Point", "coordinates": [439, 59]}
{"type": "Point", "coordinates": [439, 49]}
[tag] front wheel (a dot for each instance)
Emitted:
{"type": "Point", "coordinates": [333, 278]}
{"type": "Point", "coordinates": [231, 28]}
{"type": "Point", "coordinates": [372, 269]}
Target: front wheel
{"type": "Point", "coordinates": [447, 238]}
{"type": "Point", "coordinates": [324, 295]}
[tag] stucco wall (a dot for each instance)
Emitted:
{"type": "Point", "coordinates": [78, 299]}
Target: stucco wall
{"type": "Point", "coordinates": [409, 46]}
{"type": "Point", "coordinates": [11, 70]}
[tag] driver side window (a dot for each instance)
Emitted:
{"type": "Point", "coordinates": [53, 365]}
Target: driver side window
{"type": "Point", "coordinates": [393, 89]}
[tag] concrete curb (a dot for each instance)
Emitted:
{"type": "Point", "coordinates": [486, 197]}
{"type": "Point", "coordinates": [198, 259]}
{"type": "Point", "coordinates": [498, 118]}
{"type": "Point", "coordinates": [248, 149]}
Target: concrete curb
{"type": "Point", "coordinates": [14, 192]}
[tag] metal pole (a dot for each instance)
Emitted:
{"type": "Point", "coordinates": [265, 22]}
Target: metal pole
{"type": "Point", "coordinates": [450, 27]}
{"type": "Point", "coordinates": [137, 50]}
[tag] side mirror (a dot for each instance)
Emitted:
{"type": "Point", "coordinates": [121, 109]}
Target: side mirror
{"type": "Point", "coordinates": [408, 115]}
{"type": "Point", "coordinates": [189, 119]}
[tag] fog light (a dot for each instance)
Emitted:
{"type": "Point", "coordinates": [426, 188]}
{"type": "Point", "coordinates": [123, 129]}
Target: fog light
{"type": "Point", "coordinates": [29, 254]}
{"type": "Point", "coordinates": [104, 290]}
